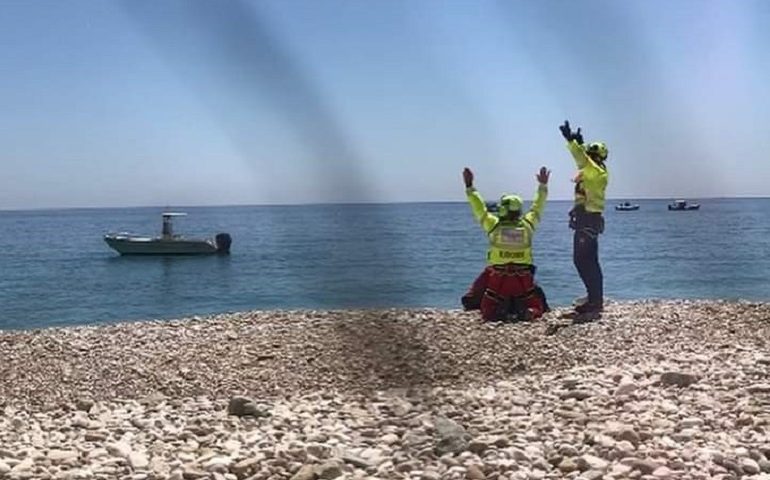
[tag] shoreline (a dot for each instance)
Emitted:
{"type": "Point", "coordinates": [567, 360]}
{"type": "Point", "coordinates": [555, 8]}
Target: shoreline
{"type": "Point", "coordinates": [655, 390]}
{"type": "Point", "coordinates": [261, 314]}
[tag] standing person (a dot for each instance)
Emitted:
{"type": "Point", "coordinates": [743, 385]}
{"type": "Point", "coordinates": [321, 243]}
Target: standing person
{"type": "Point", "coordinates": [507, 284]}
{"type": "Point", "coordinates": [586, 219]}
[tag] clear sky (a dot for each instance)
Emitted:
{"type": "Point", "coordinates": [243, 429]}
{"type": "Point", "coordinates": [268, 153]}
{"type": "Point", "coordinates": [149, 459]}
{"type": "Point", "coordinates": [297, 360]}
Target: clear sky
{"type": "Point", "coordinates": [159, 102]}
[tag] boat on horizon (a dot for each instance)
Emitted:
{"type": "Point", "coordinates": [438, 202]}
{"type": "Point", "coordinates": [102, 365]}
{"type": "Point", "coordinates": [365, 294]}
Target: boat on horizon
{"type": "Point", "coordinates": [626, 207]}
{"type": "Point", "coordinates": [168, 243]}
{"type": "Point", "coordinates": [682, 205]}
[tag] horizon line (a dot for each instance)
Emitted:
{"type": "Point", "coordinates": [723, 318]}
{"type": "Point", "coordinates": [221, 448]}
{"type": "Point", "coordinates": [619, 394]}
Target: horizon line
{"type": "Point", "coordinates": [407, 202]}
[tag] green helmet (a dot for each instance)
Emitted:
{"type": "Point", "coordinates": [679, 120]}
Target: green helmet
{"type": "Point", "coordinates": [599, 148]}
{"type": "Point", "coordinates": [508, 204]}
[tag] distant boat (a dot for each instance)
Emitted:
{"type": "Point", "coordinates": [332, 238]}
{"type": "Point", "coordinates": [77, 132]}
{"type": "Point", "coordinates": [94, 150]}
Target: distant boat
{"type": "Point", "coordinates": [168, 243]}
{"type": "Point", "coordinates": [626, 207]}
{"type": "Point", "coordinates": [683, 205]}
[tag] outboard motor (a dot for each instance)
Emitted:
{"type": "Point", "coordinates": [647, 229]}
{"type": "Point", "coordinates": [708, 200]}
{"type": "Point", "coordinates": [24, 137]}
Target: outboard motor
{"type": "Point", "coordinates": [223, 241]}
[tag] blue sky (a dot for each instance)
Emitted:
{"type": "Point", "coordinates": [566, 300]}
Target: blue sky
{"type": "Point", "coordinates": [110, 103]}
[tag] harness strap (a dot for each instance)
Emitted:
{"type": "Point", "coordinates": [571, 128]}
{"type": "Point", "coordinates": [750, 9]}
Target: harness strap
{"type": "Point", "coordinates": [591, 232]}
{"type": "Point", "coordinates": [590, 222]}
{"type": "Point", "coordinates": [509, 270]}
{"type": "Point", "coordinates": [496, 296]}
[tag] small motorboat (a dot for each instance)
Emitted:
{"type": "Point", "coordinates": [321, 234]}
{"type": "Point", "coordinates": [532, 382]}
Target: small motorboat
{"type": "Point", "coordinates": [626, 207]}
{"type": "Point", "coordinates": [683, 205]}
{"type": "Point", "coordinates": [168, 243]}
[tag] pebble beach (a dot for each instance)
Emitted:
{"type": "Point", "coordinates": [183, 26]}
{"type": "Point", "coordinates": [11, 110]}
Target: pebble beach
{"type": "Point", "coordinates": [654, 390]}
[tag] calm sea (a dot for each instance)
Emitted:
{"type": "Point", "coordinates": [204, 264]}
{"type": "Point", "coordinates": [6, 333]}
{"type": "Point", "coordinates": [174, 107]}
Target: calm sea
{"type": "Point", "coordinates": [55, 269]}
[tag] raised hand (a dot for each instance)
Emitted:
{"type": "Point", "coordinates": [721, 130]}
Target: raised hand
{"type": "Point", "coordinates": [569, 135]}
{"type": "Point", "coordinates": [468, 177]}
{"type": "Point", "coordinates": [543, 176]}
{"type": "Point", "coordinates": [578, 137]}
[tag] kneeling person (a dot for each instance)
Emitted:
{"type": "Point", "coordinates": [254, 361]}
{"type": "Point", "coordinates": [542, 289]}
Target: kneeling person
{"type": "Point", "coordinates": [507, 284]}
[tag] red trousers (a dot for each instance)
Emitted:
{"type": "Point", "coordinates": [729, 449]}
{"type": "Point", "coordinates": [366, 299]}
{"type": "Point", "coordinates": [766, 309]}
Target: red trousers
{"type": "Point", "coordinates": [500, 291]}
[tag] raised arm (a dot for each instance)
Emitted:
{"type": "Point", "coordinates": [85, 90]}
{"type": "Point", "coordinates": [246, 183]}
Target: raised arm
{"type": "Point", "coordinates": [579, 154]}
{"type": "Point", "coordinates": [575, 145]}
{"type": "Point", "coordinates": [478, 206]}
{"type": "Point", "coordinates": [535, 212]}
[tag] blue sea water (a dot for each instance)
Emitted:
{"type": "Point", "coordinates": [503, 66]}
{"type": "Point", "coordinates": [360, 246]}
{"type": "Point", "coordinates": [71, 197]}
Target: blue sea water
{"type": "Point", "coordinates": [55, 269]}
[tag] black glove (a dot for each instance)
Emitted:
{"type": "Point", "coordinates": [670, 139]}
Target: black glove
{"type": "Point", "coordinates": [578, 137]}
{"type": "Point", "coordinates": [569, 135]}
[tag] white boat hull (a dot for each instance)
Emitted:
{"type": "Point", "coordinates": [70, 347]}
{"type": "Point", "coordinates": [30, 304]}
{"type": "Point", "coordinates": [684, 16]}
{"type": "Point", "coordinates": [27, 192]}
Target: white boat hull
{"type": "Point", "coordinates": [130, 245]}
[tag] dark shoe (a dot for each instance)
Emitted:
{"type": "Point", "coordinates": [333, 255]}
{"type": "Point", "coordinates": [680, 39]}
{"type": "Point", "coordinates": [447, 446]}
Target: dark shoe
{"type": "Point", "coordinates": [584, 313]}
{"type": "Point", "coordinates": [580, 301]}
{"type": "Point", "coordinates": [586, 317]}
{"type": "Point", "coordinates": [589, 308]}
{"type": "Point", "coordinates": [471, 302]}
